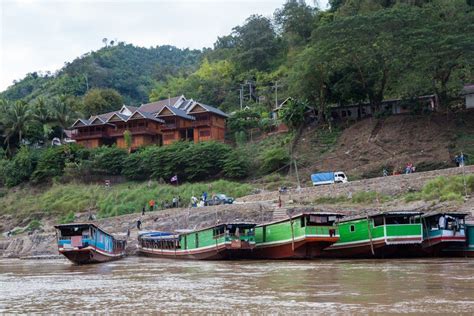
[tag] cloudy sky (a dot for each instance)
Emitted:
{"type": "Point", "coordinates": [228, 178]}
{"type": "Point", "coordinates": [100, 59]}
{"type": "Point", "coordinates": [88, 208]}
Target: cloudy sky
{"type": "Point", "coordinates": [40, 35]}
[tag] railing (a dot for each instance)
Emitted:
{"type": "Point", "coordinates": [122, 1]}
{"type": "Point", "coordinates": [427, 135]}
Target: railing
{"type": "Point", "coordinates": [202, 122]}
{"type": "Point", "coordinates": [168, 126]}
{"type": "Point", "coordinates": [133, 130]}
{"type": "Point", "coordinates": [329, 230]}
{"type": "Point", "coordinates": [94, 134]}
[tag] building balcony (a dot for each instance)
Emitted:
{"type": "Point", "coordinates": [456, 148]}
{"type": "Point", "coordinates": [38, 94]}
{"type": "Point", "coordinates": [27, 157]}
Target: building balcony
{"type": "Point", "coordinates": [88, 135]}
{"type": "Point", "coordinates": [202, 123]}
{"type": "Point", "coordinates": [169, 126]}
{"type": "Point", "coordinates": [134, 130]}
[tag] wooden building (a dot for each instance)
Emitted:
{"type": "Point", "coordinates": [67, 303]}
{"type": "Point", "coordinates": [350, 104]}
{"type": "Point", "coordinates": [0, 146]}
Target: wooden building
{"type": "Point", "coordinates": [161, 123]}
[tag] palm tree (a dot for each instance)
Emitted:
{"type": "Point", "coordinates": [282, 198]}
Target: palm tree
{"type": "Point", "coordinates": [62, 113]}
{"type": "Point", "coordinates": [15, 121]}
{"type": "Point", "coordinates": [43, 115]}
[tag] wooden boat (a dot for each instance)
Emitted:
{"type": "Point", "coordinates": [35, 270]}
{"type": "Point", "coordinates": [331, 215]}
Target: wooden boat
{"type": "Point", "coordinates": [219, 242]}
{"type": "Point", "coordinates": [302, 236]}
{"type": "Point", "coordinates": [442, 230]}
{"type": "Point", "coordinates": [383, 234]}
{"type": "Point", "coordinates": [466, 249]}
{"type": "Point", "coordinates": [87, 243]}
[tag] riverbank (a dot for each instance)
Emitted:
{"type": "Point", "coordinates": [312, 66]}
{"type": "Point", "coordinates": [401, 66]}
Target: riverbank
{"type": "Point", "coordinates": [389, 193]}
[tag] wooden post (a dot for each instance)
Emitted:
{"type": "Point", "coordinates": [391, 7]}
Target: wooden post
{"type": "Point", "coordinates": [370, 235]}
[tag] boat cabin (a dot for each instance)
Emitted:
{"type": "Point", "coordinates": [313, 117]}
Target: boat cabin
{"type": "Point", "coordinates": [444, 227]}
{"type": "Point", "coordinates": [78, 236]}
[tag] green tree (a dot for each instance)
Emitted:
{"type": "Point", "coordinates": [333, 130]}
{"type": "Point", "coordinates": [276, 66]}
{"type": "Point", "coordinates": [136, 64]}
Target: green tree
{"type": "Point", "coordinates": [62, 113]}
{"type": "Point", "coordinates": [296, 21]}
{"type": "Point", "coordinates": [127, 136]}
{"type": "Point", "coordinates": [256, 43]}
{"type": "Point", "coordinates": [98, 101]}
{"type": "Point", "coordinates": [293, 113]}
{"type": "Point", "coordinates": [15, 121]}
{"type": "Point", "coordinates": [41, 114]}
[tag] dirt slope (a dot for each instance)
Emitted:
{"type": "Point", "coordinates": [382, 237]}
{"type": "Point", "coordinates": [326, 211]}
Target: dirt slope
{"type": "Point", "coordinates": [366, 147]}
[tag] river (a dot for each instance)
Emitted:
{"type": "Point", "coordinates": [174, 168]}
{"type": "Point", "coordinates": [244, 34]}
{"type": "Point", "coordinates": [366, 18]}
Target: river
{"type": "Point", "coordinates": [147, 285]}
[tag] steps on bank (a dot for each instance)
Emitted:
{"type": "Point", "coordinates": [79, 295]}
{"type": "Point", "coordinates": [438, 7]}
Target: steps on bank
{"type": "Point", "coordinates": [280, 213]}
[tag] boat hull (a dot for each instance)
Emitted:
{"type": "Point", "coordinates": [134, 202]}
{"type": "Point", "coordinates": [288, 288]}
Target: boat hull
{"type": "Point", "coordinates": [438, 246]}
{"type": "Point", "coordinates": [308, 248]}
{"type": "Point", "coordinates": [226, 251]}
{"type": "Point", "coordinates": [375, 249]}
{"type": "Point", "coordinates": [89, 255]}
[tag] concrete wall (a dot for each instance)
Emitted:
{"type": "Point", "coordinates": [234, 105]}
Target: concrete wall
{"type": "Point", "coordinates": [390, 185]}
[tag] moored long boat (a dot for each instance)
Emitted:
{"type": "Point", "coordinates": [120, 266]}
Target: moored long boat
{"type": "Point", "coordinates": [302, 236]}
{"type": "Point", "coordinates": [219, 242]}
{"type": "Point", "coordinates": [443, 230]}
{"type": "Point", "coordinates": [463, 250]}
{"type": "Point", "coordinates": [84, 243]}
{"type": "Point", "coordinates": [383, 234]}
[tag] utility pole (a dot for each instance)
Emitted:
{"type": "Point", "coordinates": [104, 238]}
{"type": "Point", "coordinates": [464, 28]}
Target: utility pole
{"type": "Point", "coordinates": [297, 176]}
{"type": "Point", "coordinates": [464, 175]}
{"type": "Point", "coordinates": [241, 90]}
{"type": "Point", "coordinates": [276, 93]}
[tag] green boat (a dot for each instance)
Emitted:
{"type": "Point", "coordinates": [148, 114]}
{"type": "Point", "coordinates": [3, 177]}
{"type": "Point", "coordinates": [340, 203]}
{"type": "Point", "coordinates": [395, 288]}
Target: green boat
{"type": "Point", "coordinates": [383, 234]}
{"type": "Point", "coordinates": [219, 242]}
{"type": "Point", "coordinates": [302, 236]}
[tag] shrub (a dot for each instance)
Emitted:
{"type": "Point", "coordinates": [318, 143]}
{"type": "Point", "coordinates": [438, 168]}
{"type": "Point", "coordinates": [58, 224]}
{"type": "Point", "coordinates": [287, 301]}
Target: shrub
{"type": "Point", "coordinates": [68, 218]}
{"type": "Point", "coordinates": [236, 164]}
{"type": "Point", "coordinates": [33, 225]}
{"type": "Point", "coordinates": [50, 164]}
{"type": "Point", "coordinates": [273, 159]}
{"type": "Point", "coordinates": [367, 197]}
{"type": "Point", "coordinates": [108, 160]}
{"type": "Point", "coordinates": [204, 160]}
{"type": "Point", "coordinates": [20, 168]}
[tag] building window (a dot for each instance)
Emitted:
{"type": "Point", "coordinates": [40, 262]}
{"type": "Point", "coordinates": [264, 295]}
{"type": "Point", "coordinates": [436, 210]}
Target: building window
{"type": "Point", "coordinates": [204, 133]}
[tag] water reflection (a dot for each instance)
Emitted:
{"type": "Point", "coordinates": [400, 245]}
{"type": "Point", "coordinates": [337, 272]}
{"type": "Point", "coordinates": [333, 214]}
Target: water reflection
{"type": "Point", "coordinates": [148, 285]}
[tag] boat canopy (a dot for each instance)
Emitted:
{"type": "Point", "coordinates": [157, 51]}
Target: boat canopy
{"type": "Point", "coordinates": [438, 213]}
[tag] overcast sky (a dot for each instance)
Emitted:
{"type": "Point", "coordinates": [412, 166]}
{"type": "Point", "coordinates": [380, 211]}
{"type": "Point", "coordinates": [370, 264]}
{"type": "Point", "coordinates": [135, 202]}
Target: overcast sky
{"type": "Point", "coordinates": [41, 35]}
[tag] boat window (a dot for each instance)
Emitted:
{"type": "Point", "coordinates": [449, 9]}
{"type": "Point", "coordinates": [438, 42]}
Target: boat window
{"type": "Point", "coordinates": [397, 220]}
{"type": "Point", "coordinates": [218, 231]}
{"type": "Point", "coordinates": [352, 228]}
{"type": "Point", "coordinates": [197, 240]}
{"type": "Point", "coordinates": [303, 219]}
{"type": "Point", "coordinates": [378, 221]}
{"type": "Point", "coordinates": [317, 220]}
{"type": "Point", "coordinates": [185, 242]}
{"type": "Point", "coordinates": [264, 233]}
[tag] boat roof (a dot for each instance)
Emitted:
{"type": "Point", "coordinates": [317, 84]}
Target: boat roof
{"type": "Point", "coordinates": [451, 213]}
{"type": "Point", "coordinates": [154, 236]}
{"type": "Point", "coordinates": [245, 224]}
{"type": "Point", "coordinates": [297, 215]}
{"type": "Point", "coordinates": [81, 225]}
{"type": "Point", "coordinates": [381, 213]}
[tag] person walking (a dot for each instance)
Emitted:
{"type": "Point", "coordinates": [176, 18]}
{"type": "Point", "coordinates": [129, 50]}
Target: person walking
{"type": "Point", "coordinates": [151, 203]}
{"type": "Point", "coordinates": [174, 202]}
{"type": "Point", "coordinates": [139, 224]}
{"type": "Point", "coordinates": [143, 211]}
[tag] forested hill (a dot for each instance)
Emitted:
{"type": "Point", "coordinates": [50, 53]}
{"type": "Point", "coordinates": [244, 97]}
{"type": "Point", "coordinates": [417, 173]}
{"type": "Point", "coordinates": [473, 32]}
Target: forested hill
{"type": "Point", "coordinates": [128, 69]}
{"type": "Point", "coordinates": [356, 51]}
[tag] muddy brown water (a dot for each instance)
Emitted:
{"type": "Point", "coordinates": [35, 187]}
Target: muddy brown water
{"type": "Point", "coordinates": [147, 285]}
